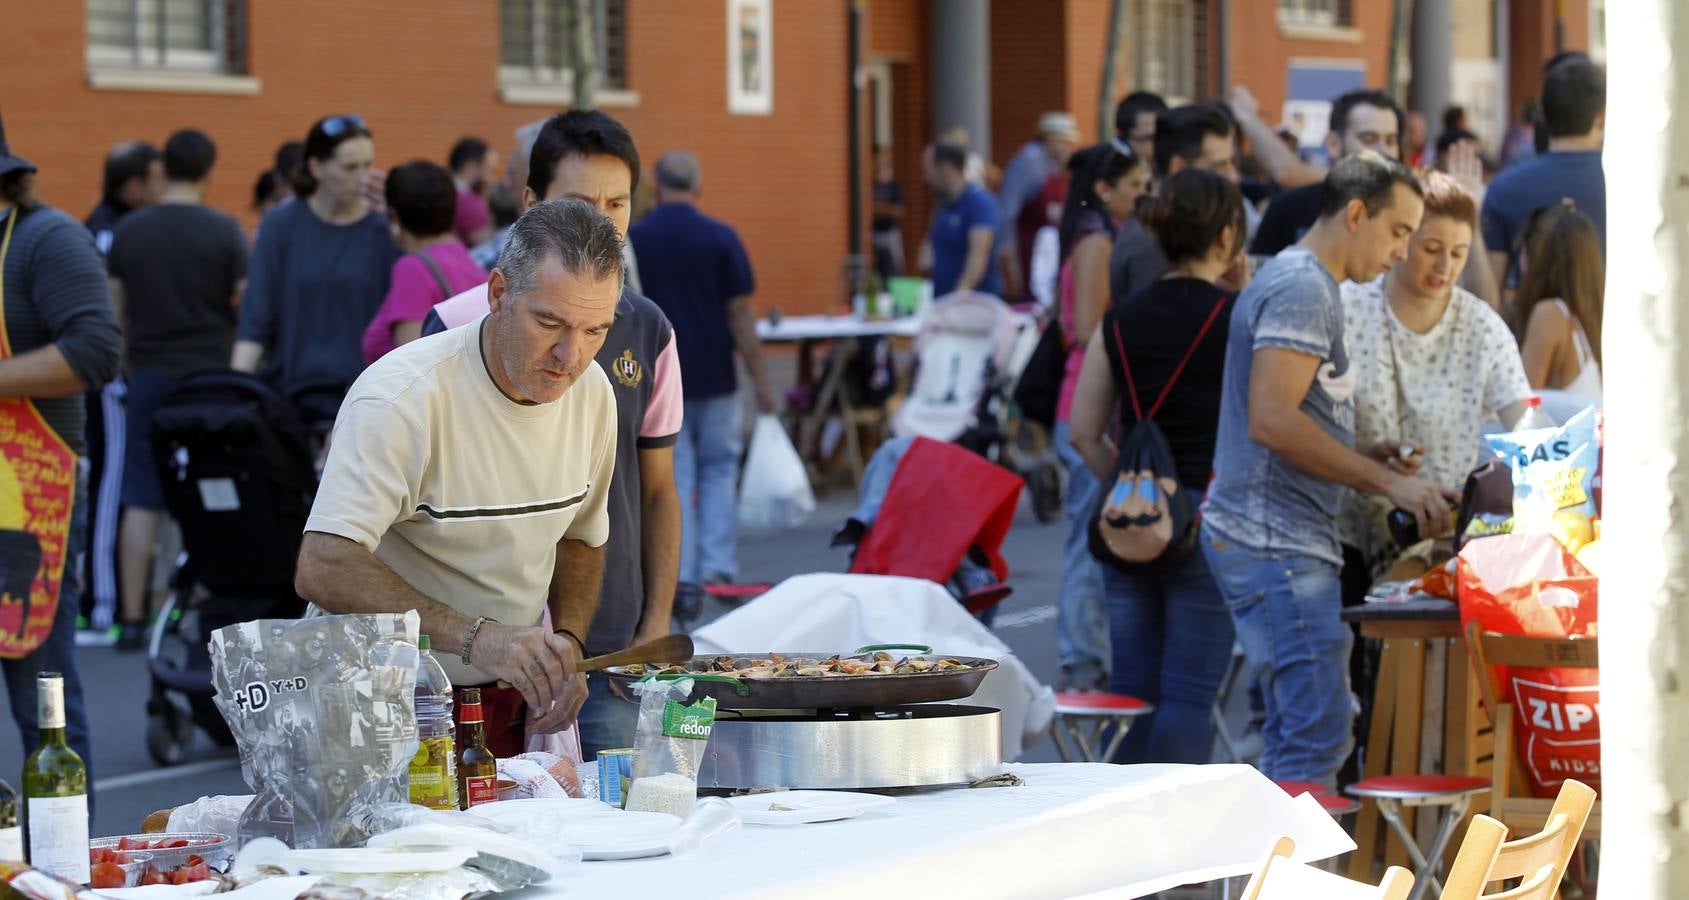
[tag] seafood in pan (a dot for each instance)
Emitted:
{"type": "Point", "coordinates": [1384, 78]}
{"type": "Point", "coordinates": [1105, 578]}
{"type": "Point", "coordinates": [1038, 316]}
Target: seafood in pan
{"type": "Point", "coordinates": [776, 666]}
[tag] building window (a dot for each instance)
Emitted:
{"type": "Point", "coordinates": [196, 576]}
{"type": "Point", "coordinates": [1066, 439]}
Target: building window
{"type": "Point", "coordinates": [1316, 13]}
{"type": "Point", "coordinates": [183, 35]}
{"type": "Point", "coordinates": [1163, 38]}
{"type": "Point", "coordinates": [536, 45]}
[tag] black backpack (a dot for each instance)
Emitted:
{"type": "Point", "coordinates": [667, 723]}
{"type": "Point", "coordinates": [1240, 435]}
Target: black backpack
{"type": "Point", "coordinates": [1038, 392]}
{"type": "Point", "coordinates": [1145, 522]}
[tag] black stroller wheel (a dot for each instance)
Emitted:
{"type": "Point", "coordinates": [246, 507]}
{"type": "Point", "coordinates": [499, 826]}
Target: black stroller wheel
{"type": "Point", "coordinates": [170, 734]}
{"type": "Point", "coordinates": [1046, 492]}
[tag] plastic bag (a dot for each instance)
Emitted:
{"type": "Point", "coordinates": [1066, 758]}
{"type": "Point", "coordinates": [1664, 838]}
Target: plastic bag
{"type": "Point", "coordinates": [323, 710]}
{"type": "Point", "coordinates": [669, 744]}
{"type": "Point", "coordinates": [775, 491]}
{"type": "Point", "coordinates": [1554, 479]}
{"type": "Point", "coordinates": [218, 814]}
{"type": "Point", "coordinates": [1529, 584]}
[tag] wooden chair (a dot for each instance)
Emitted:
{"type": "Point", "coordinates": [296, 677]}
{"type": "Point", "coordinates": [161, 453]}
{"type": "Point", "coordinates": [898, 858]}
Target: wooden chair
{"type": "Point", "coordinates": [1485, 858]}
{"type": "Point", "coordinates": [1281, 878]}
{"type": "Point", "coordinates": [1509, 800]}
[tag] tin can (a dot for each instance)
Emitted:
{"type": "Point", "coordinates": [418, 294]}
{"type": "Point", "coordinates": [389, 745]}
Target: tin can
{"type": "Point", "coordinates": [615, 767]}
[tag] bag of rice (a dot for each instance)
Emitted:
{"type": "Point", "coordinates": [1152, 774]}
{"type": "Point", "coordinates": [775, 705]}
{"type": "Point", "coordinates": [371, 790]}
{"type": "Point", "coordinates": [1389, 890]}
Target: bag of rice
{"type": "Point", "coordinates": [669, 743]}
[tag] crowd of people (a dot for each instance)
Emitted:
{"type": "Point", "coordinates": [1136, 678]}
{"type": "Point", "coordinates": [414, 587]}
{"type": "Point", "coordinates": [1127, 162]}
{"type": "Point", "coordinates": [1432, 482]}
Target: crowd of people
{"type": "Point", "coordinates": [1318, 336]}
{"type": "Point", "coordinates": [348, 264]}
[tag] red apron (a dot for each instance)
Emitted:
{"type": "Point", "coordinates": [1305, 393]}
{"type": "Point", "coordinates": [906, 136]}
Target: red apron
{"type": "Point", "coordinates": [37, 489]}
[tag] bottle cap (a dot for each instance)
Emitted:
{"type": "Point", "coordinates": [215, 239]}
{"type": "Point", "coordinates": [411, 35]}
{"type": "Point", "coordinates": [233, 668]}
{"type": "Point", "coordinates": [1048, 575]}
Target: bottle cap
{"type": "Point", "coordinates": [1533, 401]}
{"type": "Point", "coordinates": [423, 643]}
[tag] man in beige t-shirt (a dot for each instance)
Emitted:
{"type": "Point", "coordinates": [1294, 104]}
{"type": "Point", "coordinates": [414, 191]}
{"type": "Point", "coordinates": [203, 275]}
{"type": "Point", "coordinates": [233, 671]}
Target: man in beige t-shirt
{"type": "Point", "coordinates": [469, 472]}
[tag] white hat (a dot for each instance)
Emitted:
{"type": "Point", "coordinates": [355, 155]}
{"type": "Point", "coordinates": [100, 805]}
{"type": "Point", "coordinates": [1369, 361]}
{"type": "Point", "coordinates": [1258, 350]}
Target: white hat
{"type": "Point", "coordinates": [1058, 124]}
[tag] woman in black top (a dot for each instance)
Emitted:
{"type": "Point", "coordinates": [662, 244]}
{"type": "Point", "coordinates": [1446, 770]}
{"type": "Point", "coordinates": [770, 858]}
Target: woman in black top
{"type": "Point", "coordinates": [1170, 634]}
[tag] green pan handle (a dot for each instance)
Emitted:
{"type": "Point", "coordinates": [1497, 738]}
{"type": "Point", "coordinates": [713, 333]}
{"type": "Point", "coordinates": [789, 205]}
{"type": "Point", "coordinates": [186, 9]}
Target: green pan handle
{"type": "Point", "coordinates": [739, 687]}
{"type": "Point", "coordinates": [922, 648]}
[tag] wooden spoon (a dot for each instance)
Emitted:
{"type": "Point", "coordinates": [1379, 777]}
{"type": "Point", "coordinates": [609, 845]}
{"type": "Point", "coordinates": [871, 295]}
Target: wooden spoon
{"type": "Point", "coordinates": [673, 649]}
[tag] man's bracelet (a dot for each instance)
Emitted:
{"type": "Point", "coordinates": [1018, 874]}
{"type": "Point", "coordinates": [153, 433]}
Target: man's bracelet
{"type": "Point", "coordinates": [579, 644]}
{"type": "Point", "coordinates": [469, 637]}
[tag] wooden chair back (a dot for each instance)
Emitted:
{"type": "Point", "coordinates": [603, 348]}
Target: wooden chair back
{"type": "Point", "coordinates": [1486, 856]}
{"type": "Point", "coordinates": [1508, 802]}
{"type": "Point", "coordinates": [1281, 878]}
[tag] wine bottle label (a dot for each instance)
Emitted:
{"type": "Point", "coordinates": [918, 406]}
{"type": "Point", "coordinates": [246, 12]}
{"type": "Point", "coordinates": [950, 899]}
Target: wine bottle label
{"type": "Point", "coordinates": [50, 701]}
{"type": "Point", "coordinates": [58, 836]}
{"type": "Point", "coordinates": [481, 789]}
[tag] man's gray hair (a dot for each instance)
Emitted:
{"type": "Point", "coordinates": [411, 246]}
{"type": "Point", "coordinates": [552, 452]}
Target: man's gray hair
{"type": "Point", "coordinates": [679, 170]}
{"type": "Point", "coordinates": [580, 237]}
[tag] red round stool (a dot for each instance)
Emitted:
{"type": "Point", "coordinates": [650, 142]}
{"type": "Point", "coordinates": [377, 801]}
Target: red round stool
{"type": "Point", "coordinates": [1453, 793]}
{"type": "Point", "coordinates": [1084, 717]}
{"type": "Point", "coordinates": [1336, 805]}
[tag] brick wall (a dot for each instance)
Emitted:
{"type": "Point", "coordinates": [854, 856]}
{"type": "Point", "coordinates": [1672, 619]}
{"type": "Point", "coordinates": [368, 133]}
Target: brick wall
{"type": "Point", "coordinates": [424, 72]}
{"type": "Point", "coordinates": [1261, 52]}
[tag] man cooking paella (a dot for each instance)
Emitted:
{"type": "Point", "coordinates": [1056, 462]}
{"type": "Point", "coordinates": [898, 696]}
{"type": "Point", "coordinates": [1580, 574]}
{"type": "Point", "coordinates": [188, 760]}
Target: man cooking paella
{"type": "Point", "coordinates": [468, 477]}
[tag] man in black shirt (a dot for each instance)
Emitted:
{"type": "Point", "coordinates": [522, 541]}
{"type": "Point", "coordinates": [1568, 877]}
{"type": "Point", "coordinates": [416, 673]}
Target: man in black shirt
{"type": "Point", "coordinates": [1360, 120]}
{"type": "Point", "coordinates": [176, 268]}
{"type": "Point", "coordinates": [133, 178]}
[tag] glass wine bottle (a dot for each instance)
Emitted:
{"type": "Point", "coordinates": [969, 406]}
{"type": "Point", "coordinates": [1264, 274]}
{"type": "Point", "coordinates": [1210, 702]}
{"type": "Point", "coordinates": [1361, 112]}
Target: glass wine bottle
{"type": "Point", "coordinates": [55, 792]}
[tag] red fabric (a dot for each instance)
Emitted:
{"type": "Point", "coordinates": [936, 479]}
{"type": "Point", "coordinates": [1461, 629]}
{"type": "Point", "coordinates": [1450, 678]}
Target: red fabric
{"type": "Point", "coordinates": [1097, 700]}
{"type": "Point", "coordinates": [1423, 784]}
{"type": "Point", "coordinates": [504, 712]}
{"type": "Point", "coordinates": [942, 500]}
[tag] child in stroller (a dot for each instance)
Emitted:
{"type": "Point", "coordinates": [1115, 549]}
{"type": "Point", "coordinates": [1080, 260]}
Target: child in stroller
{"type": "Point", "coordinates": [236, 462]}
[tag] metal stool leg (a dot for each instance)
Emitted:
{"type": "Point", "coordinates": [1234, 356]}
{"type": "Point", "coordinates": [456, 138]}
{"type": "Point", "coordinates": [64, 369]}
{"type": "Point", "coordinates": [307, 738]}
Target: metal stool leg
{"type": "Point", "coordinates": [1058, 729]}
{"type": "Point", "coordinates": [1122, 724]}
{"type": "Point", "coordinates": [1425, 875]}
{"type": "Point", "coordinates": [1455, 812]}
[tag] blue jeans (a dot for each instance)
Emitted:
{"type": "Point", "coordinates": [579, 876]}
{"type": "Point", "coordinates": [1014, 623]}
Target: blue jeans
{"type": "Point", "coordinates": [706, 473]}
{"type": "Point", "coordinates": [606, 721]}
{"type": "Point", "coordinates": [1172, 639]}
{"type": "Point", "coordinates": [1286, 610]}
{"type": "Point", "coordinates": [1081, 628]}
{"type": "Point", "coordinates": [56, 654]}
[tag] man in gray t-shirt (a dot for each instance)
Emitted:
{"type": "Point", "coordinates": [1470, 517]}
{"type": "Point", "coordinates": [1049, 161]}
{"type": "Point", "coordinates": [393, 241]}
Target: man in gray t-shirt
{"type": "Point", "coordinates": [1284, 457]}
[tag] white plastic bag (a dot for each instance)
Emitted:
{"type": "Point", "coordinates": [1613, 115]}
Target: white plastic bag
{"type": "Point", "coordinates": [774, 491]}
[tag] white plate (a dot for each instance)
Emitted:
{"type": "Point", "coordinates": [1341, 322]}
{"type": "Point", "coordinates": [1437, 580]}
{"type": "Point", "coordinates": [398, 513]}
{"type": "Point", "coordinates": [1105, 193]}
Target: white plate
{"type": "Point", "coordinates": [615, 834]}
{"type": "Point", "coordinates": [805, 806]}
{"type": "Point", "coordinates": [535, 806]}
{"type": "Point", "coordinates": [365, 861]}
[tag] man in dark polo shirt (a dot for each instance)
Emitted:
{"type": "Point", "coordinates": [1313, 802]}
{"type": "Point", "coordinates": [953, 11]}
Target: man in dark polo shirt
{"type": "Point", "coordinates": [589, 156]}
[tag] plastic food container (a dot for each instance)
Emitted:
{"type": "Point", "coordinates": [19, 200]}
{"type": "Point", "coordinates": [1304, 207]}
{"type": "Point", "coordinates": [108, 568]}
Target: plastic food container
{"type": "Point", "coordinates": [216, 849]}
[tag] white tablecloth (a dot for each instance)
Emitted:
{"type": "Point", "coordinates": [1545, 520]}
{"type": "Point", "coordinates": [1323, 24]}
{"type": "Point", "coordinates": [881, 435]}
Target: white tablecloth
{"type": "Point", "coordinates": [826, 328]}
{"type": "Point", "coordinates": [1072, 830]}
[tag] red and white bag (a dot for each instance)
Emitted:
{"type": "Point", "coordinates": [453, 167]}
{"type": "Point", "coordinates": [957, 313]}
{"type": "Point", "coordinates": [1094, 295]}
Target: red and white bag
{"type": "Point", "coordinates": [1529, 584]}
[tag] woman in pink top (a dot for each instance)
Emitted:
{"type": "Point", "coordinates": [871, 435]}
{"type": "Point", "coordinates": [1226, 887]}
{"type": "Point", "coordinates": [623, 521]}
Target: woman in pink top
{"type": "Point", "coordinates": [421, 201]}
{"type": "Point", "coordinates": [1106, 182]}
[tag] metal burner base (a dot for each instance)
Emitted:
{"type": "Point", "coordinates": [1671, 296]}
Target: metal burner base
{"type": "Point", "coordinates": [891, 747]}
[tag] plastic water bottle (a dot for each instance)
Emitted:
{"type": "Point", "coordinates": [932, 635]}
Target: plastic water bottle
{"type": "Point", "coordinates": [1534, 417]}
{"type": "Point", "coordinates": [433, 771]}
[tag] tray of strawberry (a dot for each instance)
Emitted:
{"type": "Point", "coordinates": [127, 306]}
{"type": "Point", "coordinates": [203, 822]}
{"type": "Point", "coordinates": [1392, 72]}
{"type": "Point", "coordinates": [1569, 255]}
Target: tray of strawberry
{"type": "Point", "coordinates": [142, 859]}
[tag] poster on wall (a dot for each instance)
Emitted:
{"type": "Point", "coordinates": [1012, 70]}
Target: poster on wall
{"type": "Point", "coordinates": [1310, 87]}
{"type": "Point", "coordinates": [750, 57]}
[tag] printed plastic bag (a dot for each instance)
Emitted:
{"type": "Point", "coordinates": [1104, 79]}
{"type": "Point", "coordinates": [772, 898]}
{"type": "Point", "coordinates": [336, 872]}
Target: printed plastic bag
{"type": "Point", "coordinates": [669, 743]}
{"type": "Point", "coordinates": [1529, 584]}
{"type": "Point", "coordinates": [324, 712]}
{"type": "Point", "coordinates": [1554, 479]}
{"type": "Point", "coordinates": [774, 491]}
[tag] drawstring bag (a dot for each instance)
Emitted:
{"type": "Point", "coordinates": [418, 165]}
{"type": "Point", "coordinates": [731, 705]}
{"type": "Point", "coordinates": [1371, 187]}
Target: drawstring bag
{"type": "Point", "coordinates": [1145, 522]}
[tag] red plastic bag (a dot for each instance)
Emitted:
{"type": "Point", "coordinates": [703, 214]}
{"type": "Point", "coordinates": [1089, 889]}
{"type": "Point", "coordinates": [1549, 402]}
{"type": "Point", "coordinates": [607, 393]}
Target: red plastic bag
{"type": "Point", "coordinates": [942, 500]}
{"type": "Point", "coordinates": [1528, 584]}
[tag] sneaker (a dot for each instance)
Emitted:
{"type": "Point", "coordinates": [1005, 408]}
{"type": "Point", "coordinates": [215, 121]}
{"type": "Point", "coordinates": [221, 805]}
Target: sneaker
{"type": "Point", "coordinates": [132, 636]}
{"type": "Point", "coordinates": [96, 637]}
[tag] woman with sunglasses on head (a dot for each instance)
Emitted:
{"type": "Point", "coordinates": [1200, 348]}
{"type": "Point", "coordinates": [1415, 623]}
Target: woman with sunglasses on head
{"type": "Point", "coordinates": [1160, 354]}
{"type": "Point", "coordinates": [320, 269]}
{"type": "Point", "coordinates": [1105, 183]}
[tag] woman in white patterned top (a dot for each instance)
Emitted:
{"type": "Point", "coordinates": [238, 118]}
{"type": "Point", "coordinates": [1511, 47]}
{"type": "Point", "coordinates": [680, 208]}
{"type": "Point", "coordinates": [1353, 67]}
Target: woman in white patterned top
{"type": "Point", "coordinates": [1434, 363]}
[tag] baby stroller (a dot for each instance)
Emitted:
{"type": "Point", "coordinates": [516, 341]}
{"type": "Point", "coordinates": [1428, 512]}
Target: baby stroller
{"type": "Point", "coordinates": [235, 460]}
{"type": "Point", "coordinates": [970, 350]}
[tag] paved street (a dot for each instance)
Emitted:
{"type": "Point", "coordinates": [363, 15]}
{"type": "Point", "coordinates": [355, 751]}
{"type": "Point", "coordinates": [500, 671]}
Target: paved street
{"type": "Point", "coordinates": [129, 786]}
